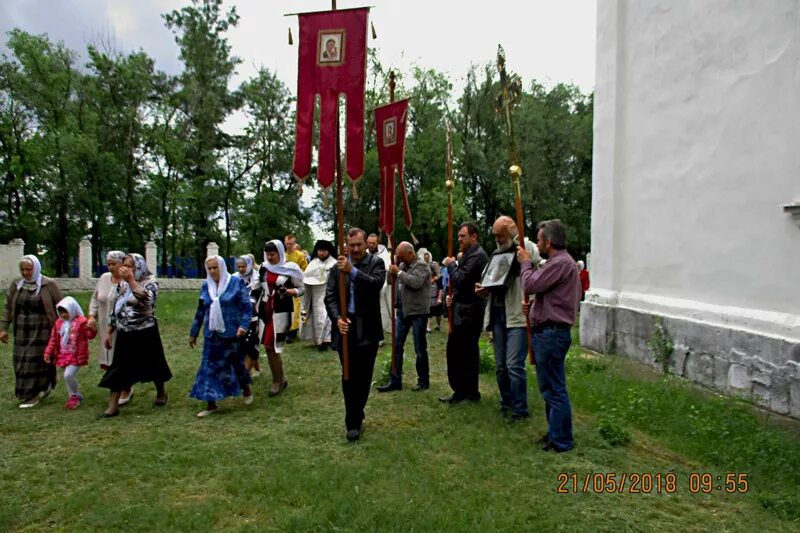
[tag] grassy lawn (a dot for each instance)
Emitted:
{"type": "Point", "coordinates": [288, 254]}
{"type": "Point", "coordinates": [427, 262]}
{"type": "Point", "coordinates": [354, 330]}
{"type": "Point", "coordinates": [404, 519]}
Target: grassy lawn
{"type": "Point", "coordinates": [283, 463]}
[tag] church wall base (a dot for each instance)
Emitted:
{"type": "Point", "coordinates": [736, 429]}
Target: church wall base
{"type": "Point", "coordinates": [727, 359]}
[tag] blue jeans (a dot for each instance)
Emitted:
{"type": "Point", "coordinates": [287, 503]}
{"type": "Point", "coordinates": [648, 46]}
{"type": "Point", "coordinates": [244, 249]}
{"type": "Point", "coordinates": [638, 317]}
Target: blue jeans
{"type": "Point", "coordinates": [510, 348]}
{"type": "Point", "coordinates": [550, 349]}
{"type": "Point", "coordinates": [417, 325]}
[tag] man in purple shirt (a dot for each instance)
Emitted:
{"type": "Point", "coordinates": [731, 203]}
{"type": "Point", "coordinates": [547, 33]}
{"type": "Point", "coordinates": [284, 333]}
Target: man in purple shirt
{"type": "Point", "coordinates": [558, 291]}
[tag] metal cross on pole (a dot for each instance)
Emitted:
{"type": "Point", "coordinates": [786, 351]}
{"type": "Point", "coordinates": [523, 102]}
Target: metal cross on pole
{"type": "Point", "coordinates": [510, 95]}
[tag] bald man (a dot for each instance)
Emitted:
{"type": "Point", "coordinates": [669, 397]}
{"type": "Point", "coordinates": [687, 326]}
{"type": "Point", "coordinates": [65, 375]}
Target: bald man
{"type": "Point", "coordinates": [413, 279]}
{"type": "Point", "coordinates": [505, 319]}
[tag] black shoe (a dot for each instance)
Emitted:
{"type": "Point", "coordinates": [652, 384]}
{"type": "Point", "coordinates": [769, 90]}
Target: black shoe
{"type": "Point", "coordinates": [108, 415]}
{"type": "Point", "coordinates": [474, 397]}
{"type": "Point", "coordinates": [552, 447]}
{"type": "Point", "coordinates": [544, 439]}
{"type": "Point", "coordinates": [420, 387]}
{"type": "Point", "coordinates": [516, 417]}
{"type": "Point", "coordinates": [355, 434]}
{"type": "Point", "coordinates": [392, 385]}
{"type": "Point", "coordinates": [451, 399]}
{"type": "Point", "coordinates": [161, 403]}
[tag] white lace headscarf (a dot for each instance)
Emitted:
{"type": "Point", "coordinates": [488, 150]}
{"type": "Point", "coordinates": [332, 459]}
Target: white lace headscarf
{"type": "Point", "coordinates": [216, 321]}
{"type": "Point", "coordinates": [37, 272]}
{"type": "Point", "coordinates": [70, 305]}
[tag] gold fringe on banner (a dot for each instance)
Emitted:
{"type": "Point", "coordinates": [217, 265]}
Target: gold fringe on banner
{"type": "Point", "coordinates": [355, 191]}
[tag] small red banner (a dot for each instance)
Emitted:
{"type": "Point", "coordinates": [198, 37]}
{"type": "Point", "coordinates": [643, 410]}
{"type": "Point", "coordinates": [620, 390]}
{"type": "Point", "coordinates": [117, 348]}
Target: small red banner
{"type": "Point", "coordinates": [390, 123]}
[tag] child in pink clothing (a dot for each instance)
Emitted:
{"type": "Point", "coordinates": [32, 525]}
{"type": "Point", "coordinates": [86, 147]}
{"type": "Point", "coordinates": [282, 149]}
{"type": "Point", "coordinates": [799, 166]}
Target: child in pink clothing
{"type": "Point", "coordinates": [69, 346]}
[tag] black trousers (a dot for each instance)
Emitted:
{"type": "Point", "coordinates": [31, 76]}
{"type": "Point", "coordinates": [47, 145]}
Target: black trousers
{"type": "Point", "coordinates": [462, 361]}
{"type": "Point", "coordinates": [361, 361]}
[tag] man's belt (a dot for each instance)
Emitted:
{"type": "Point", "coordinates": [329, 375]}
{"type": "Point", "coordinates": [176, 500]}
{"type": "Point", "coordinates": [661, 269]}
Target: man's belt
{"type": "Point", "coordinates": [549, 324]}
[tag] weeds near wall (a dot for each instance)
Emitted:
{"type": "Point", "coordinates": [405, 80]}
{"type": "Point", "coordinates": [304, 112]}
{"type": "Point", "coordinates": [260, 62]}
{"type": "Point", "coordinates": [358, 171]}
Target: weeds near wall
{"type": "Point", "coordinates": [661, 344]}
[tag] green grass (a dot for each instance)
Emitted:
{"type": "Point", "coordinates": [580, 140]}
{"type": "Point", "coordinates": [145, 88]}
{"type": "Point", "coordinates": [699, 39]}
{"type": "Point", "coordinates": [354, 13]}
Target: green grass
{"type": "Point", "coordinates": [283, 463]}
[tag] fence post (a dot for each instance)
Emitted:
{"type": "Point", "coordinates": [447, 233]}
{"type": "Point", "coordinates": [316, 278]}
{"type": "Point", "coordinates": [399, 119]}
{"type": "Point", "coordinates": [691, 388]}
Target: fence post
{"type": "Point", "coordinates": [212, 249]}
{"type": "Point", "coordinates": [151, 256]}
{"type": "Point", "coordinates": [85, 258]}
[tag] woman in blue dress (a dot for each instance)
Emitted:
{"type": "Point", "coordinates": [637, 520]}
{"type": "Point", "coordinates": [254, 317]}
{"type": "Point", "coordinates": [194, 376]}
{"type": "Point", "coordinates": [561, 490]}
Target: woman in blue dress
{"type": "Point", "coordinates": [224, 311]}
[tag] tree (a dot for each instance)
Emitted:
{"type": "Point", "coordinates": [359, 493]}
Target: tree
{"type": "Point", "coordinates": [205, 102]}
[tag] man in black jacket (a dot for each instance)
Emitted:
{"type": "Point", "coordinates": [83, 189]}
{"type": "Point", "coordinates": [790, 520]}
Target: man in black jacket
{"type": "Point", "coordinates": [468, 308]}
{"type": "Point", "coordinates": [366, 274]}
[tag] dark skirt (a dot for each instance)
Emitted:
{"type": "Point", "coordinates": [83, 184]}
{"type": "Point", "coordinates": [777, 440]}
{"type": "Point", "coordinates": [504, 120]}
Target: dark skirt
{"type": "Point", "coordinates": [138, 358]}
{"type": "Point", "coordinates": [222, 372]}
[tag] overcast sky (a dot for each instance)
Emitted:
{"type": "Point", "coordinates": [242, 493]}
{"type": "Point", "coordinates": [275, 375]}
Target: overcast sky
{"type": "Point", "coordinates": [551, 41]}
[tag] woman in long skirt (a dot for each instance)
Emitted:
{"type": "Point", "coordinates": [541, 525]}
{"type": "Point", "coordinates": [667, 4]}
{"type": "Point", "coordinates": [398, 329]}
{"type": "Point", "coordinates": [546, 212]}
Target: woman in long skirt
{"type": "Point", "coordinates": [281, 281]}
{"type": "Point", "coordinates": [104, 291]}
{"type": "Point", "coordinates": [224, 312]}
{"type": "Point", "coordinates": [138, 352]}
{"type": "Point", "coordinates": [31, 308]}
{"type": "Point", "coordinates": [245, 266]}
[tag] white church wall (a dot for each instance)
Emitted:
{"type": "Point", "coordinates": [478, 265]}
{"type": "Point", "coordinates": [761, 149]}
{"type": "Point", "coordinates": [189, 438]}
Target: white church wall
{"type": "Point", "coordinates": [696, 149]}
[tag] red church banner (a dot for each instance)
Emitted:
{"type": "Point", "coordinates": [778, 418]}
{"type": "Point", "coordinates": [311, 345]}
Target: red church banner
{"type": "Point", "coordinates": [390, 123]}
{"type": "Point", "coordinates": [332, 60]}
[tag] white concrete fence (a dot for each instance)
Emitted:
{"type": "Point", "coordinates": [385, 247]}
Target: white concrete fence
{"type": "Point", "coordinates": [11, 253]}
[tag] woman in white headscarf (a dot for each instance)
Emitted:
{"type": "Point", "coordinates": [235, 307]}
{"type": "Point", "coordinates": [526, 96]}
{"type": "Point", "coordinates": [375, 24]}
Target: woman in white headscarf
{"type": "Point", "coordinates": [245, 266]}
{"type": "Point", "coordinates": [138, 351]}
{"type": "Point", "coordinates": [31, 308]}
{"type": "Point", "coordinates": [317, 324]}
{"type": "Point", "coordinates": [224, 312]}
{"type": "Point", "coordinates": [281, 281]}
{"type": "Point", "coordinates": [104, 291]}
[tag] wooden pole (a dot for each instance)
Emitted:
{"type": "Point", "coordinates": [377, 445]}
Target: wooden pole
{"type": "Point", "coordinates": [390, 242]}
{"type": "Point", "coordinates": [342, 247]}
{"type": "Point", "coordinates": [449, 184]}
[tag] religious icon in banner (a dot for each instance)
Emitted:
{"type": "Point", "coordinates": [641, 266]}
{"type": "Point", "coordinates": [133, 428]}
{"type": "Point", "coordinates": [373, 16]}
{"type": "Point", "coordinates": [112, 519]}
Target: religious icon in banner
{"type": "Point", "coordinates": [332, 61]}
{"type": "Point", "coordinates": [390, 123]}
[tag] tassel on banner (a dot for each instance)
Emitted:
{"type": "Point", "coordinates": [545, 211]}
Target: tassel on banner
{"type": "Point", "coordinates": [300, 188]}
{"type": "Point", "coordinates": [326, 200]}
{"type": "Point", "coordinates": [372, 27]}
{"type": "Point", "coordinates": [413, 238]}
{"type": "Point", "coordinates": [291, 41]}
{"type": "Point", "coordinates": [355, 191]}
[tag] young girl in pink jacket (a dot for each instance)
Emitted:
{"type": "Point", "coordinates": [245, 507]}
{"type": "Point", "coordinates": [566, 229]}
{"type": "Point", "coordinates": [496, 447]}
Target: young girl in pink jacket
{"type": "Point", "coordinates": [69, 346]}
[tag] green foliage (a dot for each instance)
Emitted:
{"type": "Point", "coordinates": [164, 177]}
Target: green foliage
{"type": "Point", "coordinates": [486, 352]}
{"type": "Point", "coordinates": [661, 344]}
{"type": "Point", "coordinates": [612, 431]}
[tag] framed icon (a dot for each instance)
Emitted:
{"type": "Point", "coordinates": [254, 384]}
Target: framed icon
{"type": "Point", "coordinates": [390, 131]}
{"type": "Point", "coordinates": [497, 270]}
{"type": "Point", "coordinates": [330, 47]}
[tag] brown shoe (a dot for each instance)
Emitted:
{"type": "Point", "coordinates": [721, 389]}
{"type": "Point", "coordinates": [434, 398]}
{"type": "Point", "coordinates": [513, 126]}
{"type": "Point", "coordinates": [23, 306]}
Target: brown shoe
{"type": "Point", "coordinates": [278, 379]}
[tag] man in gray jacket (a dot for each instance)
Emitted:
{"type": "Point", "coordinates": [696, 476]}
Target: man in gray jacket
{"type": "Point", "coordinates": [413, 280]}
{"type": "Point", "coordinates": [505, 319]}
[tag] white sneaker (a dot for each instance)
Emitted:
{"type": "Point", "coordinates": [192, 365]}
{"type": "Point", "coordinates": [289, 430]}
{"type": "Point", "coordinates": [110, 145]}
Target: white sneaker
{"type": "Point", "coordinates": [249, 399]}
{"type": "Point", "coordinates": [205, 412]}
{"type": "Point", "coordinates": [30, 403]}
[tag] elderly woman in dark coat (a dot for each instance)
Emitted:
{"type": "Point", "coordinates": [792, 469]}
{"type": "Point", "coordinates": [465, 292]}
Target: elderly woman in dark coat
{"type": "Point", "coordinates": [31, 308]}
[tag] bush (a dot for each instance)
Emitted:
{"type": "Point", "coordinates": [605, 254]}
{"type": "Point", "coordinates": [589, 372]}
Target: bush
{"type": "Point", "coordinates": [486, 361]}
{"type": "Point", "coordinates": [612, 431]}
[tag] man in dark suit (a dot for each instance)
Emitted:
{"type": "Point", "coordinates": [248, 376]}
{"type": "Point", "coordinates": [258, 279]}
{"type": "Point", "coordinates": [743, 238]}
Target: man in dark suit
{"type": "Point", "coordinates": [468, 308]}
{"type": "Point", "coordinates": [366, 274]}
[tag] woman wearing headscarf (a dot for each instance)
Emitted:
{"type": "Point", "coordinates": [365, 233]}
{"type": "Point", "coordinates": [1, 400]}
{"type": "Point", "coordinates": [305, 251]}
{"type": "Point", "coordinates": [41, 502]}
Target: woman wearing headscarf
{"type": "Point", "coordinates": [138, 352]}
{"type": "Point", "coordinates": [224, 311]}
{"type": "Point", "coordinates": [280, 281]}
{"type": "Point", "coordinates": [245, 265]}
{"type": "Point", "coordinates": [98, 312]}
{"type": "Point", "coordinates": [317, 325]}
{"type": "Point", "coordinates": [436, 309]}
{"type": "Point", "coordinates": [31, 307]}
